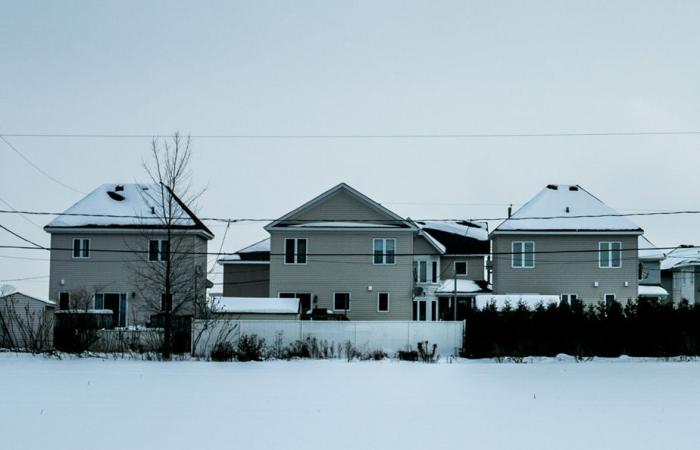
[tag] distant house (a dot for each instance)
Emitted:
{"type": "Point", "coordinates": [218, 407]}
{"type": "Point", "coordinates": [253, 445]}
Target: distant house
{"type": "Point", "coordinates": [345, 253]}
{"type": "Point", "coordinates": [109, 250]}
{"type": "Point", "coordinates": [26, 322]}
{"type": "Point", "coordinates": [650, 286]}
{"type": "Point", "coordinates": [680, 274]}
{"type": "Point", "coordinates": [566, 242]}
{"type": "Point", "coordinates": [247, 272]}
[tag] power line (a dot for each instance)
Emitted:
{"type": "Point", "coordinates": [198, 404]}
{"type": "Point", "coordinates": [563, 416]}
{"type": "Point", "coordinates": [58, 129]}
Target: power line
{"type": "Point", "coordinates": [39, 169]}
{"type": "Point", "coordinates": [25, 279]}
{"type": "Point", "coordinates": [22, 237]}
{"type": "Point", "coordinates": [363, 136]}
{"type": "Point", "coordinates": [312, 255]}
{"type": "Point", "coordinates": [302, 221]}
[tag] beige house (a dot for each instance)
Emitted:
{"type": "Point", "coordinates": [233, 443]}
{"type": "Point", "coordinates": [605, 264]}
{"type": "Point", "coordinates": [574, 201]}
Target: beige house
{"type": "Point", "coordinates": [567, 242]}
{"type": "Point", "coordinates": [26, 322]}
{"type": "Point", "coordinates": [345, 254]}
{"type": "Point", "coordinates": [109, 251]}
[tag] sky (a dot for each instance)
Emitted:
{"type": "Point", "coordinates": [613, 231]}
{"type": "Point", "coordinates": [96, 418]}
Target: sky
{"type": "Point", "coordinates": [351, 68]}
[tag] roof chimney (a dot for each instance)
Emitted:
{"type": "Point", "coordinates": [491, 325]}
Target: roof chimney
{"type": "Point", "coordinates": [510, 210]}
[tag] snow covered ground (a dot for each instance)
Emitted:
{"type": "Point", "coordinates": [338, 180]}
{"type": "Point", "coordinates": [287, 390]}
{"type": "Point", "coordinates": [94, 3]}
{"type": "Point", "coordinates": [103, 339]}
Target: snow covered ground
{"type": "Point", "coordinates": [126, 404]}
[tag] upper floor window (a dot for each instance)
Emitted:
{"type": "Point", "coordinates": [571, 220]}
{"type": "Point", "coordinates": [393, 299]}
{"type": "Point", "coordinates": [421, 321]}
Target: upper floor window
{"type": "Point", "coordinates": [81, 248]}
{"type": "Point", "coordinates": [460, 268]}
{"type": "Point", "coordinates": [295, 251]}
{"type": "Point", "coordinates": [609, 254]}
{"type": "Point", "coordinates": [158, 250]}
{"type": "Point", "coordinates": [384, 251]}
{"type": "Point", "coordinates": [524, 254]}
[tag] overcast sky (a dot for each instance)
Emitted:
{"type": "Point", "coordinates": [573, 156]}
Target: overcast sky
{"type": "Point", "coordinates": [368, 67]}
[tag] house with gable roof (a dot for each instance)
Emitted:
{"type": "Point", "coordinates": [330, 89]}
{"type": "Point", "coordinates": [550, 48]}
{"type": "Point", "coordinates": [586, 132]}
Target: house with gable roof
{"type": "Point", "coordinates": [101, 243]}
{"type": "Point", "coordinates": [567, 242]}
{"type": "Point", "coordinates": [346, 254]}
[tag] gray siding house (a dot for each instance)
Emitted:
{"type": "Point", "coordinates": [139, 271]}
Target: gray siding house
{"type": "Point", "coordinates": [566, 242]}
{"type": "Point", "coordinates": [108, 251]}
{"type": "Point", "coordinates": [345, 254]}
{"type": "Point", "coordinates": [26, 322]}
{"type": "Point", "coordinates": [680, 274]}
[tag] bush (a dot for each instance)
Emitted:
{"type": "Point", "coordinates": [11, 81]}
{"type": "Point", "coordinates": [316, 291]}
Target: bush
{"type": "Point", "coordinates": [408, 355]}
{"type": "Point", "coordinates": [640, 328]}
{"type": "Point", "coordinates": [250, 348]}
{"type": "Point", "coordinates": [223, 351]}
{"type": "Point", "coordinates": [426, 355]}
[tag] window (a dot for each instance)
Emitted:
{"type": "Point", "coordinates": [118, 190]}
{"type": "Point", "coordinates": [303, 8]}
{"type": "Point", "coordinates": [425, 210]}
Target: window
{"type": "Point", "coordinates": [384, 251]}
{"type": "Point", "coordinates": [341, 301]}
{"type": "Point", "coordinates": [158, 250]}
{"type": "Point", "coordinates": [609, 299]}
{"type": "Point", "coordinates": [383, 302]}
{"type": "Point", "coordinates": [81, 248]}
{"type": "Point", "coordinates": [569, 298]}
{"type": "Point", "coordinates": [295, 251]}
{"type": "Point", "coordinates": [460, 268]}
{"type": "Point", "coordinates": [422, 271]}
{"type": "Point", "coordinates": [166, 305]}
{"type": "Point", "coordinates": [117, 303]}
{"type": "Point", "coordinates": [524, 254]}
{"type": "Point", "coordinates": [609, 255]}
{"type": "Point", "coordinates": [434, 272]}
{"type": "Point", "coordinates": [63, 301]}
{"type": "Point", "coordinates": [304, 300]}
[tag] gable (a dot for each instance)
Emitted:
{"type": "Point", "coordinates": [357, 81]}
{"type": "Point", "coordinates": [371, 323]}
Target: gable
{"type": "Point", "coordinates": [344, 207]}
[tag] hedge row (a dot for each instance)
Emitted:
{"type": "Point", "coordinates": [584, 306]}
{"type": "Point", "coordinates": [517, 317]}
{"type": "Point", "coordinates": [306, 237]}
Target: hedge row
{"type": "Point", "coordinates": [643, 328]}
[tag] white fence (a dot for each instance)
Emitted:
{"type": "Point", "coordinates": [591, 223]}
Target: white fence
{"type": "Point", "coordinates": [389, 336]}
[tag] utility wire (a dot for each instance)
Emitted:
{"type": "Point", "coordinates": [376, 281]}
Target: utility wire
{"type": "Point", "coordinates": [22, 237]}
{"type": "Point", "coordinates": [363, 136]}
{"type": "Point", "coordinates": [394, 221]}
{"type": "Point", "coordinates": [39, 169]}
{"type": "Point", "coordinates": [312, 255]}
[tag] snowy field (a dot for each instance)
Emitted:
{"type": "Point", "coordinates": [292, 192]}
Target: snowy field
{"type": "Point", "coordinates": [107, 404]}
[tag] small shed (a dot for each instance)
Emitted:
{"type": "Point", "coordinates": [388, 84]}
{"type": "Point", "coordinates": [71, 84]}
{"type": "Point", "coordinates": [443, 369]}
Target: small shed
{"type": "Point", "coordinates": [257, 308]}
{"type": "Point", "coordinates": [26, 322]}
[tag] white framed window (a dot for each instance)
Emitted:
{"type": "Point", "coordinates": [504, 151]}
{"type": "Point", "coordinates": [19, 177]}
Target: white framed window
{"type": "Point", "coordinates": [434, 272]}
{"type": "Point", "coordinates": [384, 251]}
{"type": "Point", "coordinates": [523, 254]}
{"type": "Point", "coordinates": [569, 298]}
{"type": "Point", "coordinates": [460, 267]}
{"type": "Point", "coordinates": [609, 255]}
{"type": "Point", "coordinates": [609, 299]}
{"type": "Point", "coordinates": [295, 251]}
{"type": "Point", "coordinates": [383, 302]}
{"type": "Point", "coordinates": [341, 301]}
{"type": "Point", "coordinates": [158, 250]}
{"type": "Point", "coordinates": [81, 248]}
{"type": "Point", "coordinates": [115, 302]}
{"type": "Point", "coordinates": [64, 301]}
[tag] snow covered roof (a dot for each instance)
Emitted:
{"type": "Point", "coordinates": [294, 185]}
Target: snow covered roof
{"type": "Point", "coordinates": [648, 251]}
{"type": "Point", "coordinates": [587, 213]}
{"type": "Point", "coordinates": [20, 294]}
{"type": "Point", "coordinates": [458, 237]}
{"type": "Point", "coordinates": [125, 206]}
{"type": "Point", "coordinates": [257, 305]}
{"type": "Point", "coordinates": [341, 224]}
{"type": "Point", "coordinates": [529, 300]}
{"type": "Point", "coordinates": [255, 253]}
{"type": "Point", "coordinates": [652, 291]}
{"type": "Point", "coordinates": [447, 286]}
{"type": "Point", "coordinates": [681, 257]}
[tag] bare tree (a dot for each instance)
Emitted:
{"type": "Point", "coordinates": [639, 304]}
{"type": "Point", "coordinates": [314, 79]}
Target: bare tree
{"type": "Point", "coordinates": [173, 276]}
